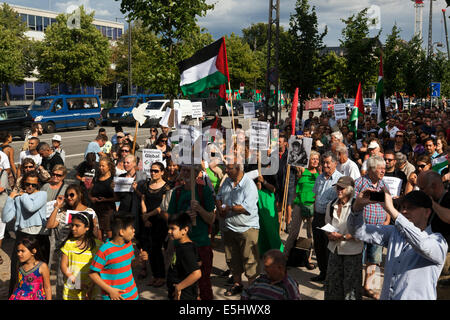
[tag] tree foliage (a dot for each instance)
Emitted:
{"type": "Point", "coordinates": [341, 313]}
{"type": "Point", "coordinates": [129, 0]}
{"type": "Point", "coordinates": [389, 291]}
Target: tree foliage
{"type": "Point", "coordinates": [74, 56]}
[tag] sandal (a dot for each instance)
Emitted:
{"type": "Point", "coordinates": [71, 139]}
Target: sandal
{"type": "Point", "coordinates": [310, 266]}
{"type": "Point", "coordinates": [371, 294]}
{"type": "Point", "coordinates": [234, 290]}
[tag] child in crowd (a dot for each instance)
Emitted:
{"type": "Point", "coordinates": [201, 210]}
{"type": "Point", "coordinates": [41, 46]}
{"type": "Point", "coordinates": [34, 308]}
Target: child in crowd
{"type": "Point", "coordinates": [77, 254]}
{"type": "Point", "coordinates": [184, 270]}
{"type": "Point", "coordinates": [111, 269]}
{"type": "Point", "coordinates": [33, 281]}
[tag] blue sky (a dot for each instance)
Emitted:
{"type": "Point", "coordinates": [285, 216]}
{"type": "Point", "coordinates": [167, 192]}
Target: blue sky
{"type": "Point", "coordinates": [234, 15]}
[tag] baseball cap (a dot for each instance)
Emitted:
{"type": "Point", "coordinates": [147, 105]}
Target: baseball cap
{"type": "Point", "coordinates": [120, 134]}
{"type": "Point", "coordinates": [345, 181]}
{"type": "Point", "coordinates": [418, 199]}
{"type": "Point", "coordinates": [373, 145]}
{"type": "Point", "coordinates": [56, 137]}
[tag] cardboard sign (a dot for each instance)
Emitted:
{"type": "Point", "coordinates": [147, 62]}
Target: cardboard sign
{"type": "Point", "coordinates": [122, 184]}
{"type": "Point", "coordinates": [249, 110]}
{"type": "Point", "coordinates": [394, 185]}
{"type": "Point", "coordinates": [150, 156]}
{"type": "Point", "coordinates": [197, 110]}
{"type": "Point", "coordinates": [340, 112]}
{"type": "Point", "coordinates": [259, 135]}
{"type": "Point", "coordinates": [299, 151]}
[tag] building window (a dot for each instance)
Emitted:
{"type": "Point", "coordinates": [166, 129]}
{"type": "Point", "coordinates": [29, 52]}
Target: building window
{"type": "Point", "coordinates": [39, 25]}
{"type": "Point", "coordinates": [46, 22]}
{"type": "Point", "coordinates": [53, 20]}
{"type": "Point", "coordinates": [32, 22]}
{"type": "Point", "coordinates": [119, 33]}
{"type": "Point", "coordinates": [24, 17]}
{"type": "Point", "coordinates": [29, 90]}
{"type": "Point", "coordinates": [104, 31]}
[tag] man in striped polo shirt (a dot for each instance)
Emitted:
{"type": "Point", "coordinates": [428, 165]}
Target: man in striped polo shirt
{"type": "Point", "coordinates": [111, 267]}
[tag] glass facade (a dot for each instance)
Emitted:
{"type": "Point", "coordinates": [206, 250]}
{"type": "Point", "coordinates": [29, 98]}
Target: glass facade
{"type": "Point", "coordinates": [39, 23]}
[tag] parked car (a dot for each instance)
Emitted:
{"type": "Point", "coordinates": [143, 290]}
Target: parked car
{"type": "Point", "coordinates": [156, 109]}
{"type": "Point", "coordinates": [16, 120]}
{"type": "Point", "coordinates": [66, 111]}
{"type": "Point", "coordinates": [120, 113]}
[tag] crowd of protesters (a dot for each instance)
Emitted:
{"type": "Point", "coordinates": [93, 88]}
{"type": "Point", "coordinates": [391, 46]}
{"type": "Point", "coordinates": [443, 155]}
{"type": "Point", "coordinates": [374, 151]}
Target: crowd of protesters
{"type": "Point", "coordinates": [91, 235]}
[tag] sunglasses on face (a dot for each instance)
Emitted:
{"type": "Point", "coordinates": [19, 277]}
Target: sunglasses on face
{"type": "Point", "coordinates": [163, 140]}
{"type": "Point", "coordinates": [421, 166]}
{"type": "Point", "coordinates": [70, 195]}
{"type": "Point", "coordinates": [389, 160]}
{"type": "Point", "coordinates": [57, 175]}
{"type": "Point", "coordinates": [154, 130]}
{"type": "Point", "coordinates": [399, 135]}
{"type": "Point", "coordinates": [155, 171]}
{"type": "Point", "coordinates": [34, 185]}
{"type": "Point", "coordinates": [28, 167]}
{"type": "Point", "coordinates": [124, 150]}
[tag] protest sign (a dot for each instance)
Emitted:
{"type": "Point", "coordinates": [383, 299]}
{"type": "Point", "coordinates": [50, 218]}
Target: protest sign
{"type": "Point", "coordinates": [249, 110]}
{"type": "Point", "coordinates": [340, 111]}
{"type": "Point", "coordinates": [50, 207]}
{"type": "Point", "coordinates": [394, 185]}
{"type": "Point", "coordinates": [299, 151]}
{"type": "Point", "coordinates": [324, 106]}
{"type": "Point", "coordinates": [197, 110]}
{"type": "Point", "coordinates": [123, 184]}
{"type": "Point", "coordinates": [150, 156]}
{"type": "Point", "coordinates": [259, 135]}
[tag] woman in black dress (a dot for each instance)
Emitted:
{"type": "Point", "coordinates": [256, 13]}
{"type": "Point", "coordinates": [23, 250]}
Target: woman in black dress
{"type": "Point", "coordinates": [102, 195]}
{"type": "Point", "coordinates": [154, 232]}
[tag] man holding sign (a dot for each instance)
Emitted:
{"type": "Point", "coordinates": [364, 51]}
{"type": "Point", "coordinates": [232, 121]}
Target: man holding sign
{"type": "Point", "coordinates": [392, 171]}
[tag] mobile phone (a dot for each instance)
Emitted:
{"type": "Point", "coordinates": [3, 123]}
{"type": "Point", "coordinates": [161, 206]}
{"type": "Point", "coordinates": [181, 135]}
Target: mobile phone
{"type": "Point", "coordinates": [213, 154]}
{"type": "Point", "coordinates": [377, 196]}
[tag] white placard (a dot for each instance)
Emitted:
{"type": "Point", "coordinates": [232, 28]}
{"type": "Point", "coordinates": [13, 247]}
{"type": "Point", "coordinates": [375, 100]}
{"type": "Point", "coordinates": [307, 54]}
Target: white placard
{"type": "Point", "coordinates": [394, 185]}
{"type": "Point", "coordinates": [150, 156]}
{"type": "Point", "coordinates": [329, 228]}
{"type": "Point", "coordinates": [197, 109]}
{"type": "Point", "coordinates": [252, 174]}
{"type": "Point", "coordinates": [122, 184]}
{"type": "Point", "coordinates": [249, 110]}
{"type": "Point", "coordinates": [299, 151]}
{"type": "Point", "coordinates": [340, 112]}
{"type": "Point", "coordinates": [259, 135]}
{"type": "Point", "coordinates": [359, 144]}
{"type": "Point", "coordinates": [374, 109]}
{"type": "Point", "coordinates": [325, 106]}
{"type": "Point", "coordinates": [50, 207]}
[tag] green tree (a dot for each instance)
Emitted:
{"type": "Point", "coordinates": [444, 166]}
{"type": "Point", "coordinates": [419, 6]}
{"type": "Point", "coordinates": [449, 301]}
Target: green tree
{"type": "Point", "coordinates": [330, 68]}
{"type": "Point", "coordinates": [394, 61]}
{"type": "Point", "coordinates": [360, 54]}
{"type": "Point", "coordinates": [15, 49]}
{"type": "Point", "coordinates": [74, 56]}
{"type": "Point", "coordinates": [415, 71]}
{"type": "Point", "coordinates": [173, 22]}
{"type": "Point", "coordinates": [299, 52]}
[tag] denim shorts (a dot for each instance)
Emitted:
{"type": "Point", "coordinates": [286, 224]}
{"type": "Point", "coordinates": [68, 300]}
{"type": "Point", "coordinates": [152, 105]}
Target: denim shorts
{"type": "Point", "coordinates": [372, 253]}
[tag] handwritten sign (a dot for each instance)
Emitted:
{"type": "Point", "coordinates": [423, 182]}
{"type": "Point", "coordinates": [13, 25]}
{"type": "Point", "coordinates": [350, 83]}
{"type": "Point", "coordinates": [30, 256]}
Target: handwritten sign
{"type": "Point", "coordinates": [50, 207]}
{"type": "Point", "coordinates": [259, 135]}
{"type": "Point", "coordinates": [197, 110]}
{"type": "Point", "coordinates": [394, 185]}
{"type": "Point", "coordinates": [150, 156]}
{"type": "Point", "coordinates": [340, 112]}
{"type": "Point", "coordinates": [122, 184]}
{"type": "Point", "coordinates": [249, 110]}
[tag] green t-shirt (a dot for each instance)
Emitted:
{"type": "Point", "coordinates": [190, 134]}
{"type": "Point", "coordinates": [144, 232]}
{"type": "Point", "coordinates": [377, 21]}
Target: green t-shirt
{"type": "Point", "coordinates": [304, 188]}
{"type": "Point", "coordinates": [200, 233]}
{"type": "Point", "coordinates": [214, 179]}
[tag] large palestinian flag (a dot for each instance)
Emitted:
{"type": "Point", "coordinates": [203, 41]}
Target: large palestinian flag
{"type": "Point", "coordinates": [207, 68]}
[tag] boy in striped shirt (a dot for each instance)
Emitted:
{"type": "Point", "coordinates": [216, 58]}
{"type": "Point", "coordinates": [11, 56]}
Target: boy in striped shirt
{"type": "Point", "coordinates": [111, 268]}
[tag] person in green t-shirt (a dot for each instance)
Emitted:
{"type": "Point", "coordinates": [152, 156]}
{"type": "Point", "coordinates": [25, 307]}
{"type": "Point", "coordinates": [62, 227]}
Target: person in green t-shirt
{"type": "Point", "coordinates": [201, 211]}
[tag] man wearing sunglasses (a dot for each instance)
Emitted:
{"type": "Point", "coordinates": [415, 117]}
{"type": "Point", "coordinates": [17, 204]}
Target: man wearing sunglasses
{"type": "Point", "coordinates": [29, 209]}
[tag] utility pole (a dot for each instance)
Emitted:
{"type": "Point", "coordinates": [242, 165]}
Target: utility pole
{"type": "Point", "coordinates": [272, 75]}
{"type": "Point", "coordinates": [446, 33]}
{"type": "Point", "coordinates": [130, 83]}
{"type": "Point", "coordinates": [430, 31]}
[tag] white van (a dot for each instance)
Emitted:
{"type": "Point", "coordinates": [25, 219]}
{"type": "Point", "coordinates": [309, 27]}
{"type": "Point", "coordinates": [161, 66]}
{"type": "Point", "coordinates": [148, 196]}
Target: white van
{"type": "Point", "coordinates": [157, 108]}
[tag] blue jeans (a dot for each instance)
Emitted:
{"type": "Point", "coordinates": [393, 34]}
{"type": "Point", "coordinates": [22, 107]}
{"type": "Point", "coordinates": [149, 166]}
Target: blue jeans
{"type": "Point", "coordinates": [372, 253]}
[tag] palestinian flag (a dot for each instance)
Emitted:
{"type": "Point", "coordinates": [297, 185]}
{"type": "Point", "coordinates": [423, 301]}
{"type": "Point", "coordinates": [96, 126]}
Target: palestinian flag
{"type": "Point", "coordinates": [439, 163]}
{"type": "Point", "coordinates": [357, 111]}
{"type": "Point", "coordinates": [207, 68]}
{"type": "Point", "coordinates": [379, 99]}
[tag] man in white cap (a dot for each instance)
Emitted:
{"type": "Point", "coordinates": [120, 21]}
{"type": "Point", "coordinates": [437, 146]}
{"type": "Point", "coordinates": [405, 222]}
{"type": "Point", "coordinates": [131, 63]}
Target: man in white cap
{"type": "Point", "coordinates": [56, 146]}
{"type": "Point", "coordinates": [374, 150]}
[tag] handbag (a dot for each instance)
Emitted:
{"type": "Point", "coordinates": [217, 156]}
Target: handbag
{"type": "Point", "coordinates": [306, 211]}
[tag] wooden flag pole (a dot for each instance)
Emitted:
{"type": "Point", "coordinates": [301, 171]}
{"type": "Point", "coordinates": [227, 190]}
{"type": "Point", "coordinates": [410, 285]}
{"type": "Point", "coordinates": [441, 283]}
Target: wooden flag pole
{"type": "Point", "coordinates": [231, 103]}
{"type": "Point", "coordinates": [285, 196]}
{"type": "Point", "coordinates": [135, 137]}
{"type": "Point", "coordinates": [193, 219]}
{"type": "Point", "coordinates": [259, 163]}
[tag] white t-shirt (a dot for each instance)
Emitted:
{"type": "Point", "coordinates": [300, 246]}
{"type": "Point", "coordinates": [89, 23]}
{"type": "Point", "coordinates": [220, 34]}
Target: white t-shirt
{"type": "Point", "coordinates": [4, 161]}
{"type": "Point", "coordinates": [391, 131]}
{"type": "Point", "coordinates": [26, 154]}
{"type": "Point", "coordinates": [350, 169]}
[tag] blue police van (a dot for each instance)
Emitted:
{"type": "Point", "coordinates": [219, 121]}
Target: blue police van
{"type": "Point", "coordinates": [66, 112]}
{"type": "Point", "coordinates": [120, 113]}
